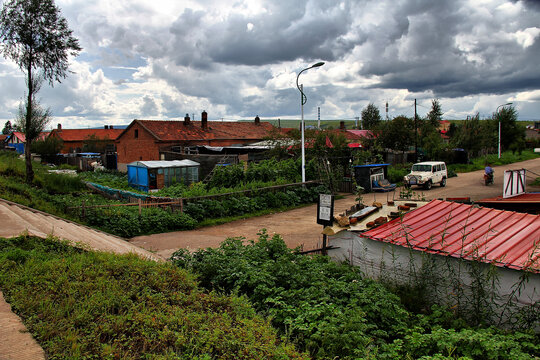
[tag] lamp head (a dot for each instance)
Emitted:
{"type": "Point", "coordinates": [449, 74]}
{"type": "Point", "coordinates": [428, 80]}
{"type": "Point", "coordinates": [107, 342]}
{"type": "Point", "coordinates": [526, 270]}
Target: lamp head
{"type": "Point", "coordinates": [317, 64]}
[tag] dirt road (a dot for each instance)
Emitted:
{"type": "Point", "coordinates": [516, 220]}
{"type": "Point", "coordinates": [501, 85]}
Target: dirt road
{"type": "Point", "coordinates": [299, 228]}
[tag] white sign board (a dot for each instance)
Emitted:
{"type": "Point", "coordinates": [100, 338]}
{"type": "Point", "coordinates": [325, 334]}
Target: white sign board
{"type": "Point", "coordinates": [325, 209]}
{"type": "Point", "coordinates": [514, 183]}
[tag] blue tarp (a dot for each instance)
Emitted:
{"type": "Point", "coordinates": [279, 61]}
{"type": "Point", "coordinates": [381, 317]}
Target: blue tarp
{"type": "Point", "coordinates": [18, 147]}
{"type": "Point", "coordinates": [138, 177]}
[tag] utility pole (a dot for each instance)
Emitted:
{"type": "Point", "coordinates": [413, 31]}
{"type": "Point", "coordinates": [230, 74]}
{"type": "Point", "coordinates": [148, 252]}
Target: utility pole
{"type": "Point", "coordinates": [387, 111]}
{"type": "Point", "coordinates": [356, 118]}
{"type": "Point", "coordinates": [319, 117]}
{"type": "Point", "coordinates": [415, 134]}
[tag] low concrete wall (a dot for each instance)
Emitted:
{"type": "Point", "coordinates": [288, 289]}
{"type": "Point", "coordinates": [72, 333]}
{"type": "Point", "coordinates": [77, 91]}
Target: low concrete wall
{"type": "Point", "coordinates": [449, 281]}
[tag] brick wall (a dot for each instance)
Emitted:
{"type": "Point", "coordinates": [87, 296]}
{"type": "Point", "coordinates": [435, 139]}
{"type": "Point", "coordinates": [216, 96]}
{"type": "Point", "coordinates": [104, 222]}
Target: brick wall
{"type": "Point", "coordinates": [131, 148]}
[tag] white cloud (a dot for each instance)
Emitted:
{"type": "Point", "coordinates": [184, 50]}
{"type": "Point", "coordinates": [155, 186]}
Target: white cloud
{"type": "Point", "coordinates": [527, 37]}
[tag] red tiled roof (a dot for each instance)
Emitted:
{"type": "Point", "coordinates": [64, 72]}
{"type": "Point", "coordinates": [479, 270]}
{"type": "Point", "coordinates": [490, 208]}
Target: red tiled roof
{"type": "Point", "coordinates": [177, 130]}
{"type": "Point", "coordinates": [361, 133]}
{"type": "Point", "coordinates": [84, 134]}
{"type": "Point", "coordinates": [503, 238]}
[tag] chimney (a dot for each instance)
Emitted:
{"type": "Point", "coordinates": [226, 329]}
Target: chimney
{"type": "Point", "coordinates": [342, 125]}
{"type": "Point", "coordinates": [106, 127]}
{"type": "Point", "coordinates": [204, 120]}
{"type": "Point", "coordinates": [187, 120]}
{"type": "Point", "coordinates": [59, 127]}
{"type": "Point", "coordinates": [111, 127]}
{"type": "Point", "coordinates": [257, 120]}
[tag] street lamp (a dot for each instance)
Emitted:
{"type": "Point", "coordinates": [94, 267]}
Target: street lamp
{"type": "Point", "coordinates": [497, 112]}
{"type": "Point", "coordinates": [303, 100]}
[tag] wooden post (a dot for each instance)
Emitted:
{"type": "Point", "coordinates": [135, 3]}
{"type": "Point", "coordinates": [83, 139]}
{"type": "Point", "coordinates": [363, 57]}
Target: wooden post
{"type": "Point", "coordinates": [181, 205]}
{"type": "Point", "coordinates": [140, 206]}
{"type": "Point", "coordinates": [83, 212]}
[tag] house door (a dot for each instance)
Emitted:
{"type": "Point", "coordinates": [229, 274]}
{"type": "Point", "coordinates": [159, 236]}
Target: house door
{"type": "Point", "coordinates": [152, 178]}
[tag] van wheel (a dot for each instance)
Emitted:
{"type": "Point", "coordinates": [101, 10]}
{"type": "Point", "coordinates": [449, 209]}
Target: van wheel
{"type": "Point", "coordinates": [443, 182]}
{"type": "Point", "coordinates": [428, 185]}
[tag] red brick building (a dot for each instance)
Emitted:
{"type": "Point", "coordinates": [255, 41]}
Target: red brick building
{"type": "Point", "coordinates": [74, 140]}
{"type": "Point", "coordinates": [144, 139]}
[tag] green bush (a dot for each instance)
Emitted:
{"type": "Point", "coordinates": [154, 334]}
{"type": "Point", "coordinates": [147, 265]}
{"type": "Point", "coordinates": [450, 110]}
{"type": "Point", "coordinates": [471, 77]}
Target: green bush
{"type": "Point", "coordinates": [326, 308]}
{"type": "Point", "coordinates": [90, 305]}
{"type": "Point", "coordinates": [332, 311]}
{"type": "Point", "coordinates": [126, 221]}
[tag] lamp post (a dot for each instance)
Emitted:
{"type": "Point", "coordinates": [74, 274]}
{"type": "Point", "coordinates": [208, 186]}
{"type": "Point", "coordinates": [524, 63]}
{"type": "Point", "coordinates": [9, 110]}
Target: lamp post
{"type": "Point", "coordinates": [303, 100]}
{"type": "Point", "coordinates": [497, 112]}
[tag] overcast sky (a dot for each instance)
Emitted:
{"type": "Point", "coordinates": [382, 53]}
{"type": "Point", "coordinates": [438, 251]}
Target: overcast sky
{"type": "Point", "coordinates": [162, 59]}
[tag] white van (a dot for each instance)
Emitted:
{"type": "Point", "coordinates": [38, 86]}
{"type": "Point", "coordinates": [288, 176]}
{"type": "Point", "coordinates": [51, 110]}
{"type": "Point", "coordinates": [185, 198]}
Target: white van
{"type": "Point", "coordinates": [426, 174]}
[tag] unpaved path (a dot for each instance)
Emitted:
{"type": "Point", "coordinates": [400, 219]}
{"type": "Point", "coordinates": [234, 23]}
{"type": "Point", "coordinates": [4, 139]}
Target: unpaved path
{"type": "Point", "coordinates": [18, 219]}
{"type": "Point", "coordinates": [299, 228]}
{"type": "Point", "coordinates": [15, 341]}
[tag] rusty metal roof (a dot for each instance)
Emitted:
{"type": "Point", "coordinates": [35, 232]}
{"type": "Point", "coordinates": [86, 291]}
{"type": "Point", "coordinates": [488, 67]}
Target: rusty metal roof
{"type": "Point", "coordinates": [503, 238]}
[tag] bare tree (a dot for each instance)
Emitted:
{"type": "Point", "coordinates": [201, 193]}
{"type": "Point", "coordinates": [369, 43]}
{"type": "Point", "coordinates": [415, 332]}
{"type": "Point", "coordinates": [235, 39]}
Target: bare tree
{"type": "Point", "coordinates": [36, 37]}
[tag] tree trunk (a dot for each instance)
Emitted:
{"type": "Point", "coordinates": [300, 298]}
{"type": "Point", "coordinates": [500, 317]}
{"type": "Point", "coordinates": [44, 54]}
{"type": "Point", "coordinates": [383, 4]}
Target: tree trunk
{"type": "Point", "coordinates": [28, 121]}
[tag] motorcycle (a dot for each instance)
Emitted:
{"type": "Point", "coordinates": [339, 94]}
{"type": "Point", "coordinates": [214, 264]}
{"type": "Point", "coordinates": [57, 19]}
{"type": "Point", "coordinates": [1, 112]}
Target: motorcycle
{"type": "Point", "coordinates": [488, 178]}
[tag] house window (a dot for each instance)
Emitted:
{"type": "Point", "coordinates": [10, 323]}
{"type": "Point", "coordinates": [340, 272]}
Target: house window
{"type": "Point", "coordinates": [136, 133]}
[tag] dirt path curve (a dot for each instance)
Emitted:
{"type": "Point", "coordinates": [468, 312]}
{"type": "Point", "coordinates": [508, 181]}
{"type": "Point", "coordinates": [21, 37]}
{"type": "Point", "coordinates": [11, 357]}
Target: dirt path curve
{"type": "Point", "coordinates": [299, 228]}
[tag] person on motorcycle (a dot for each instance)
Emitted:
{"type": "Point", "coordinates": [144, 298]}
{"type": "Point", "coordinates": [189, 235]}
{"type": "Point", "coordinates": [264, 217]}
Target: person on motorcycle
{"type": "Point", "coordinates": [488, 174]}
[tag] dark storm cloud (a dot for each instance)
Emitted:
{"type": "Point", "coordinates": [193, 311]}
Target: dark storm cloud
{"type": "Point", "coordinates": [286, 33]}
{"type": "Point", "coordinates": [428, 57]}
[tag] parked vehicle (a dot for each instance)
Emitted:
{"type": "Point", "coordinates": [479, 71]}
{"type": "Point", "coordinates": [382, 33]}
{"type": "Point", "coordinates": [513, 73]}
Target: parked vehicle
{"type": "Point", "coordinates": [426, 174]}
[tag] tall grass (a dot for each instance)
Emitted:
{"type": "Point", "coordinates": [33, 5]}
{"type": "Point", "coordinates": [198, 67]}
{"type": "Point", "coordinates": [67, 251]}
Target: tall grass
{"type": "Point", "coordinates": [88, 305]}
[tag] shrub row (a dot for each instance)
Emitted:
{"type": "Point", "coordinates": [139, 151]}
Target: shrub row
{"type": "Point", "coordinates": [126, 221]}
{"type": "Point", "coordinates": [93, 305]}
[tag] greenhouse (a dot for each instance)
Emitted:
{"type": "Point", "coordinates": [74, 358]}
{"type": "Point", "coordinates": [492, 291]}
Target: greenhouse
{"type": "Point", "coordinates": [150, 175]}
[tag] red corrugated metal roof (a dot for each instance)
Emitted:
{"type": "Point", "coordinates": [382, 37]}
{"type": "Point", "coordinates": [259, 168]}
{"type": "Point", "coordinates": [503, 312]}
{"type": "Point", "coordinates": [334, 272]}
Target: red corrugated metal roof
{"type": "Point", "coordinates": [503, 238]}
{"type": "Point", "coordinates": [522, 198]}
{"type": "Point", "coordinates": [177, 130]}
{"type": "Point", "coordinates": [84, 134]}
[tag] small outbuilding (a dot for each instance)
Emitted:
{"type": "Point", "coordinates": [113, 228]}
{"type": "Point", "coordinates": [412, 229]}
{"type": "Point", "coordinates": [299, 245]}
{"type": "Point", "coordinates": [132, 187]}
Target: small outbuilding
{"type": "Point", "coordinates": [370, 176]}
{"type": "Point", "coordinates": [150, 175]}
{"type": "Point", "coordinates": [458, 252]}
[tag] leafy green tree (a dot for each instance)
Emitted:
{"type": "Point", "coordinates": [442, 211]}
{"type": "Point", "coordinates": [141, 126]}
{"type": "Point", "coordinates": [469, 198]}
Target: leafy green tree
{"type": "Point", "coordinates": [430, 139]}
{"type": "Point", "coordinates": [37, 38]}
{"type": "Point", "coordinates": [434, 116]}
{"type": "Point", "coordinates": [47, 147]}
{"type": "Point", "coordinates": [95, 144]}
{"type": "Point", "coordinates": [511, 132]}
{"type": "Point", "coordinates": [40, 117]}
{"type": "Point", "coordinates": [474, 135]}
{"type": "Point", "coordinates": [332, 155]}
{"type": "Point", "coordinates": [397, 134]}
{"type": "Point", "coordinates": [370, 117]}
{"type": "Point", "coordinates": [8, 129]}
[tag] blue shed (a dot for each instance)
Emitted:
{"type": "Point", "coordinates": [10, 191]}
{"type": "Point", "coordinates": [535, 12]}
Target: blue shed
{"type": "Point", "coordinates": [157, 174]}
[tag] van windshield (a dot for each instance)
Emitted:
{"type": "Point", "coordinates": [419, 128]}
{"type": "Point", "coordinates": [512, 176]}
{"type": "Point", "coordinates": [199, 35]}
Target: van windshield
{"type": "Point", "coordinates": [417, 167]}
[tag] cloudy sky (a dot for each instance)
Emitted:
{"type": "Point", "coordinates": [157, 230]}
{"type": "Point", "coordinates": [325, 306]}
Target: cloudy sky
{"type": "Point", "coordinates": [162, 59]}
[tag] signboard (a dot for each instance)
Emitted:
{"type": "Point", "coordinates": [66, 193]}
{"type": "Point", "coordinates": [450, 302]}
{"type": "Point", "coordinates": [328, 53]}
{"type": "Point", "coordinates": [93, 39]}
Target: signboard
{"type": "Point", "coordinates": [514, 183]}
{"type": "Point", "coordinates": [325, 210]}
